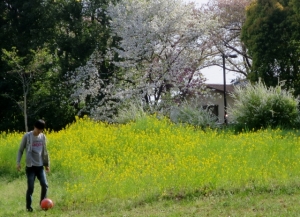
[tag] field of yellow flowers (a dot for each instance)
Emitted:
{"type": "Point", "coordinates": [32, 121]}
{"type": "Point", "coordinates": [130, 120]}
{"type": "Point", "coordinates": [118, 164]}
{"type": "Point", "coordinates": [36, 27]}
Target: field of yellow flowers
{"type": "Point", "coordinates": [94, 162]}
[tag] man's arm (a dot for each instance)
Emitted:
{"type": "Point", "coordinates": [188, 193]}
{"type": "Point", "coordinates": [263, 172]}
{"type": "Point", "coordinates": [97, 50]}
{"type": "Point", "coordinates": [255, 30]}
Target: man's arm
{"type": "Point", "coordinates": [46, 159]}
{"type": "Point", "coordinates": [20, 151]}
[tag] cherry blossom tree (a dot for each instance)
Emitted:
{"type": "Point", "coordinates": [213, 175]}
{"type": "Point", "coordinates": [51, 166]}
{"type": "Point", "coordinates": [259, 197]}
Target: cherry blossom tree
{"type": "Point", "coordinates": [162, 46]}
{"type": "Point", "coordinates": [231, 15]}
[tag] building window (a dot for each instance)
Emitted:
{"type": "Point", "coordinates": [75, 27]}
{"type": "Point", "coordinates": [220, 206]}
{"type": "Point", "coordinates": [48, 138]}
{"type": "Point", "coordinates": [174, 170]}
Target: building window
{"type": "Point", "coordinates": [213, 108]}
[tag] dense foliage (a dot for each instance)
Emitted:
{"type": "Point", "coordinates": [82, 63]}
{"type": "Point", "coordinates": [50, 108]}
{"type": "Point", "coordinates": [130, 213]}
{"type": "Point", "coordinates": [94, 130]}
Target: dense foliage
{"type": "Point", "coordinates": [162, 47]}
{"type": "Point", "coordinates": [68, 32]}
{"type": "Point", "coordinates": [65, 58]}
{"type": "Point", "coordinates": [271, 34]}
{"type": "Point", "coordinates": [193, 113]}
{"type": "Point", "coordinates": [257, 106]}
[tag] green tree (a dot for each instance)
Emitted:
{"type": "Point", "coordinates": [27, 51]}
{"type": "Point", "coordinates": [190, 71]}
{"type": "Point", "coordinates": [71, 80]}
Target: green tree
{"type": "Point", "coordinates": [271, 32]}
{"type": "Point", "coordinates": [25, 69]}
{"type": "Point", "coordinates": [70, 31]}
{"type": "Point", "coordinates": [26, 30]}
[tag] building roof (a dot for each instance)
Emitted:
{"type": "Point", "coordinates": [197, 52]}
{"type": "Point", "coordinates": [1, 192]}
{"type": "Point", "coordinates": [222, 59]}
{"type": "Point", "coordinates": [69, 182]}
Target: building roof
{"type": "Point", "coordinates": [220, 87]}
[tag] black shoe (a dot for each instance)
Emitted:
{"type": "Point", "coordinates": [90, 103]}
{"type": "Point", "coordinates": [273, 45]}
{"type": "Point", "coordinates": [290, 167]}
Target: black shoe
{"type": "Point", "coordinates": [29, 209]}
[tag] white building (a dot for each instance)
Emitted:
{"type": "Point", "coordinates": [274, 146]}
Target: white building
{"type": "Point", "coordinates": [218, 102]}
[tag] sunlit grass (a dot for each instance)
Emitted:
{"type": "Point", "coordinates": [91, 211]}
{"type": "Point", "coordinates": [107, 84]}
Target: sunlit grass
{"type": "Point", "coordinates": [154, 159]}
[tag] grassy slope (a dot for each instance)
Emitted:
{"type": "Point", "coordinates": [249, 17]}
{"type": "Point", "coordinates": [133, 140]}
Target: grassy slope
{"type": "Point", "coordinates": [259, 173]}
{"type": "Point", "coordinates": [281, 203]}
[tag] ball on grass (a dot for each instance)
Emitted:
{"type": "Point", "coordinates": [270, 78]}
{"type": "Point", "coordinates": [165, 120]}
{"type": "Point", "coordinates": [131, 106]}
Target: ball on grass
{"type": "Point", "coordinates": [46, 204]}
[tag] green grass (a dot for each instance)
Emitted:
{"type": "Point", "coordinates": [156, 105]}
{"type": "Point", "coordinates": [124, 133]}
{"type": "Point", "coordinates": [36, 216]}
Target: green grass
{"type": "Point", "coordinates": [256, 203]}
{"type": "Point", "coordinates": [155, 168]}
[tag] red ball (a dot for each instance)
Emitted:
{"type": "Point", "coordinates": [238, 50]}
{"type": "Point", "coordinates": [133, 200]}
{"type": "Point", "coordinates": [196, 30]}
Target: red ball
{"type": "Point", "coordinates": [46, 204]}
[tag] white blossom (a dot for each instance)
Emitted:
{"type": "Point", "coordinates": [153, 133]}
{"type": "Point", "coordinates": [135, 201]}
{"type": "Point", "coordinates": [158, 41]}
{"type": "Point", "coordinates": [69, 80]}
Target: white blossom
{"type": "Point", "coordinates": [163, 44]}
{"type": "Point", "coordinates": [161, 48]}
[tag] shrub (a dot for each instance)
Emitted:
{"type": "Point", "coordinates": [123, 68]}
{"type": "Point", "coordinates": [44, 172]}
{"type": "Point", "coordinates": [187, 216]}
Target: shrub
{"type": "Point", "coordinates": [194, 114]}
{"type": "Point", "coordinates": [131, 111]}
{"type": "Point", "coordinates": [257, 106]}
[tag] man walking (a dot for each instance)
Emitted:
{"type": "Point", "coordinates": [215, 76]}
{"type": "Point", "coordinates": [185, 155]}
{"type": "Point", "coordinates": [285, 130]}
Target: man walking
{"type": "Point", "coordinates": [36, 159]}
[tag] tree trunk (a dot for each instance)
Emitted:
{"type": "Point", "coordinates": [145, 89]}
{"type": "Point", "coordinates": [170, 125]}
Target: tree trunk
{"type": "Point", "coordinates": [25, 112]}
{"type": "Point", "coordinates": [25, 91]}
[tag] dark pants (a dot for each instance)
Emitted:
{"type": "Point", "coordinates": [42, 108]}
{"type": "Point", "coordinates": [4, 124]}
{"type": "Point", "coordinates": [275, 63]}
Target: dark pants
{"type": "Point", "coordinates": [31, 173]}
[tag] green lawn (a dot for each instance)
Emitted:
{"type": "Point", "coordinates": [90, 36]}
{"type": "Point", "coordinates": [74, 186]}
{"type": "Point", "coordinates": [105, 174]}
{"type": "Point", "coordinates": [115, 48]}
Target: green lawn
{"type": "Point", "coordinates": [275, 203]}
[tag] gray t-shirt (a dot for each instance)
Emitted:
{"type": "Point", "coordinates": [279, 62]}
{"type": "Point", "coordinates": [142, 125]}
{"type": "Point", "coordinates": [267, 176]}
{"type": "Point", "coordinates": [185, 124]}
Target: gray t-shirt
{"type": "Point", "coordinates": [36, 151]}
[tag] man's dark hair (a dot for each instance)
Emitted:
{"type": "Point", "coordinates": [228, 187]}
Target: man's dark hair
{"type": "Point", "coordinates": [40, 124]}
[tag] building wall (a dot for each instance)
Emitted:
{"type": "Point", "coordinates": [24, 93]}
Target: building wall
{"type": "Point", "coordinates": [219, 101]}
